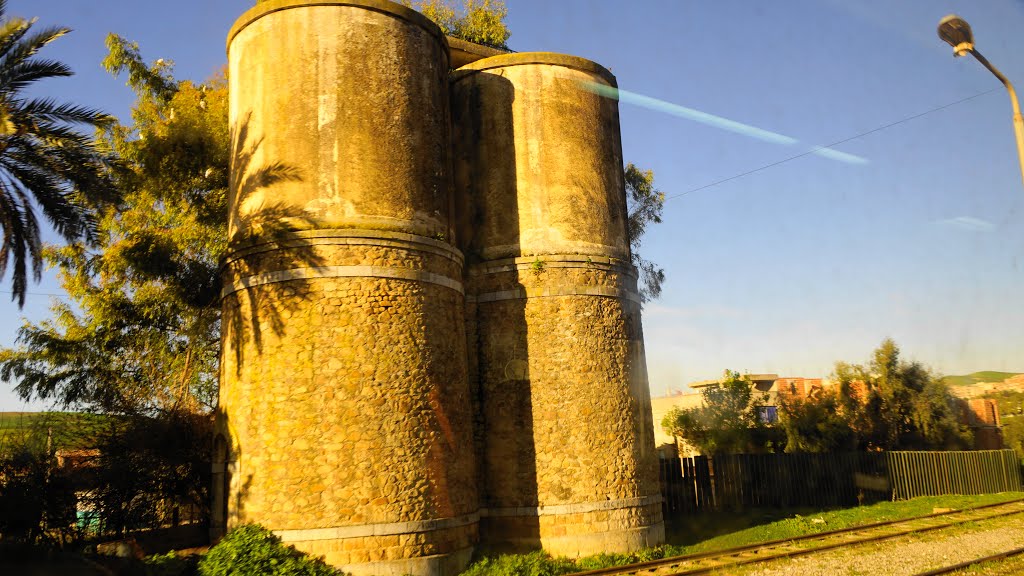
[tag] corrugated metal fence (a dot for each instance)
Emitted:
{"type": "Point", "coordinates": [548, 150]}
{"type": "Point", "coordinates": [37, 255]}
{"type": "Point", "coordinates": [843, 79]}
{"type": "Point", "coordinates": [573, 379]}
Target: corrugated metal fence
{"type": "Point", "coordinates": [738, 481]}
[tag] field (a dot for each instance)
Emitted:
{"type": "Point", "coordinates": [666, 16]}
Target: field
{"type": "Point", "coordinates": [65, 429]}
{"type": "Point", "coordinates": [977, 377]}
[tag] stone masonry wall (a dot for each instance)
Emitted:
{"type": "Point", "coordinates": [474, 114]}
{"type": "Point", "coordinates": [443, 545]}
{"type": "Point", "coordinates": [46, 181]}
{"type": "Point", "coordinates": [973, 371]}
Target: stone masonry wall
{"type": "Point", "coordinates": [566, 459]}
{"type": "Point", "coordinates": [343, 392]}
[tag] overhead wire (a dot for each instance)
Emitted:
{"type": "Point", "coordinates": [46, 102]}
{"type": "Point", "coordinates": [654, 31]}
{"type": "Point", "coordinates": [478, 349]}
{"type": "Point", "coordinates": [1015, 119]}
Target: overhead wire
{"type": "Point", "coordinates": [836, 143]}
{"type": "Point", "coordinates": [752, 171]}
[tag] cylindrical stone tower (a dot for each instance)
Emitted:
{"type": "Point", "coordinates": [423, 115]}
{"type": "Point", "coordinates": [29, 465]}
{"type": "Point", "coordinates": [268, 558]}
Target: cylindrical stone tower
{"type": "Point", "coordinates": [567, 453]}
{"type": "Point", "coordinates": [344, 397]}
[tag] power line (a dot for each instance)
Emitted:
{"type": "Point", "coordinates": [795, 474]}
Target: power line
{"type": "Point", "coordinates": [35, 293]}
{"type": "Point", "coordinates": [836, 143]}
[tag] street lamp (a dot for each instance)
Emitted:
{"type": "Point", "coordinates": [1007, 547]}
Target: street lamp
{"type": "Point", "coordinates": [956, 32]}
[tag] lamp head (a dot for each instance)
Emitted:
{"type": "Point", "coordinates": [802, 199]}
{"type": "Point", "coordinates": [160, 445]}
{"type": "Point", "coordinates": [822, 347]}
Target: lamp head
{"type": "Point", "coordinates": [956, 32]}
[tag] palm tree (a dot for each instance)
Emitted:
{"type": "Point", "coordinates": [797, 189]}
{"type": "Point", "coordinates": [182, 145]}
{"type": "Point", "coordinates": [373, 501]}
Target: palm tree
{"type": "Point", "coordinates": [45, 163]}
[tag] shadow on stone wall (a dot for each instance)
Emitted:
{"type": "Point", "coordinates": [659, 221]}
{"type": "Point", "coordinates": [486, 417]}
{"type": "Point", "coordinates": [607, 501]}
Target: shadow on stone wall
{"type": "Point", "coordinates": [227, 504]}
{"type": "Point", "coordinates": [270, 224]}
{"type": "Point", "coordinates": [487, 209]}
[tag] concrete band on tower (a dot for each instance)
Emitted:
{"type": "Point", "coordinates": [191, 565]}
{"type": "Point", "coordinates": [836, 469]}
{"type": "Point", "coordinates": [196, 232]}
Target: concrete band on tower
{"type": "Point", "coordinates": [565, 438]}
{"type": "Point", "coordinates": [344, 401]}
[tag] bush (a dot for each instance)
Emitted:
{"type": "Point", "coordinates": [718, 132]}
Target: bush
{"type": "Point", "coordinates": [37, 499]}
{"type": "Point", "coordinates": [252, 550]}
{"type": "Point", "coordinates": [608, 560]}
{"type": "Point", "coordinates": [533, 564]}
{"type": "Point", "coordinates": [170, 564]}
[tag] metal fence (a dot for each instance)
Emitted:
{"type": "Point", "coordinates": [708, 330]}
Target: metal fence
{"type": "Point", "coordinates": [739, 481]}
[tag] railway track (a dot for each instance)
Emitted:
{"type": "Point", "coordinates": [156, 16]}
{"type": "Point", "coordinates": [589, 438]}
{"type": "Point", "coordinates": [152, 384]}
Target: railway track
{"type": "Point", "coordinates": [720, 560]}
{"type": "Point", "coordinates": [957, 567]}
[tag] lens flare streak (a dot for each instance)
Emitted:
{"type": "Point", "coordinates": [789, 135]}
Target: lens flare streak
{"type": "Point", "coordinates": [715, 121]}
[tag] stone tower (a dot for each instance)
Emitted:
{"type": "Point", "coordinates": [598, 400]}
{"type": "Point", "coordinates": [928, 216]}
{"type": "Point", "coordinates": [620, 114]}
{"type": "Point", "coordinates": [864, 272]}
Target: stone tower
{"type": "Point", "coordinates": [343, 384]}
{"type": "Point", "coordinates": [386, 401]}
{"type": "Point", "coordinates": [566, 447]}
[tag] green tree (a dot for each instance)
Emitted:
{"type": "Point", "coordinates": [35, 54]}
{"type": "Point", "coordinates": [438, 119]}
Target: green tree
{"type": "Point", "coordinates": [896, 405]}
{"type": "Point", "coordinates": [479, 21]}
{"type": "Point", "coordinates": [814, 424]}
{"type": "Point", "coordinates": [727, 422]}
{"type": "Point", "coordinates": [143, 334]}
{"type": "Point", "coordinates": [644, 205]}
{"type": "Point", "coordinates": [44, 162]}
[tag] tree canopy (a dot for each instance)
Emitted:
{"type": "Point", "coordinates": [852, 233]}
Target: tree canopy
{"type": "Point", "coordinates": [644, 205]}
{"type": "Point", "coordinates": [886, 404]}
{"type": "Point", "coordinates": [728, 421]}
{"type": "Point", "coordinates": [45, 163]}
{"type": "Point", "coordinates": [892, 404]}
{"type": "Point", "coordinates": [143, 333]}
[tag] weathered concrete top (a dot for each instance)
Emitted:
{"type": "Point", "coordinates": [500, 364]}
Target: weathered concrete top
{"type": "Point", "coordinates": [538, 158]}
{"type": "Point", "coordinates": [463, 52]}
{"type": "Point", "coordinates": [522, 58]}
{"type": "Point", "coordinates": [352, 97]}
{"type": "Point", "coordinates": [385, 6]}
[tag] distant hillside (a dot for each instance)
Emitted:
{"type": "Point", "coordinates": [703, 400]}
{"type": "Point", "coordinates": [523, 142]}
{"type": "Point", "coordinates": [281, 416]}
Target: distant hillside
{"type": "Point", "coordinates": [977, 377]}
{"type": "Point", "coordinates": [65, 429]}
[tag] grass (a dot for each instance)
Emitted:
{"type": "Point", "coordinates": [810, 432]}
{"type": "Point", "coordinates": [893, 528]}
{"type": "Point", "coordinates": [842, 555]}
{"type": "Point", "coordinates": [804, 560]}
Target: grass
{"type": "Point", "coordinates": [976, 377]}
{"type": "Point", "coordinates": [66, 429]}
{"type": "Point", "coordinates": [810, 522]}
{"type": "Point", "coordinates": [712, 532]}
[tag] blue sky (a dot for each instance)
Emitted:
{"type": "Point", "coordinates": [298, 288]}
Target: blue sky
{"type": "Point", "coordinates": [786, 269]}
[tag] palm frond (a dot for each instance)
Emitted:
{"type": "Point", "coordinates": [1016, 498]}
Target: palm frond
{"type": "Point", "coordinates": [14, 79]}
{"type": "Point", "coordinates": [45, 163]}
{"type": "Point", "coordinates": [20, 239]}
{"type": "Point", "coordinates": [49, 110]}
{"type": "Point", "coordinates": [12, 31]}
{"type": "Point", "coordinates": [30, 45]}
{"type": "Point", "coordinates": [57, 204]}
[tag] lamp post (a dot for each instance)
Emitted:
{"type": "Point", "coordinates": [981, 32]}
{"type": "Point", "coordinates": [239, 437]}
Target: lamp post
{"type": "Point", "coordinates": [956, 32]}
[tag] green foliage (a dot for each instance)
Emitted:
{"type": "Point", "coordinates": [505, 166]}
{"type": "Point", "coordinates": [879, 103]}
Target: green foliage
{"type": "Point", "coordinates": [644, 205]}
{"type": "Point", "coordinates": [252, 550]}
{"type": "Point", "coordinates": [37, 498]}
{"type": "Point", "coordinates": [483, 22]}
{"type": "Point", "coordinates": [479, 21]}
{"type": "Point", "coordinates": [45, 163]}
{"type": "Point", "coordinates": [59, 430]}
{"type": "Point", "coordinates": [537, 563]}
{"type": "Point", "coordinates": [902, 407]}
{"type": "Point", "coordinates": [727, 422]}
{"type": "Point", "coordinates": [978, 377]}
{"type": "Point", "coordinates": [813, 424]}
{"type": "Point", "coordinates": [148, 466]}
{"type": "Point", "coordinates": [124, 57]}
{"type": "Point", "coordinates": [171, 564]}
{"type": "Point", "coordinates": [143, 334]}
{"type": "Point", "coordinates": [609, 560]}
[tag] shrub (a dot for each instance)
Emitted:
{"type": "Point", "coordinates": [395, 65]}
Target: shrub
{"type": "Point", "coordinates": [170, 564]}
{"type": "Point", "coordinates": [252, 550]}
{"type": "Point", "coordinates": [533, 564]}
{"type": "Point", "coordinates": [608, 560]}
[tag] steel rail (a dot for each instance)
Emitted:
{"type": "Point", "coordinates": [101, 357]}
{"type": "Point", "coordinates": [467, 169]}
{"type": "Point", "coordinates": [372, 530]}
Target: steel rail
{"type": "Point", "coordinates": [969, 563]}
{"type": "Point", "coordinates": [659, 566]}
